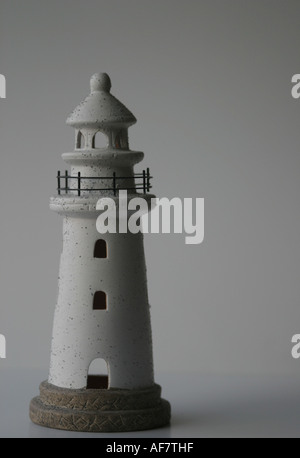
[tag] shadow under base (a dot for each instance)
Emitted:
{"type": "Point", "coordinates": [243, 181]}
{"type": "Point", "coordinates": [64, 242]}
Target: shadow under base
{"type": "Point", "coordinates": [100, 410]}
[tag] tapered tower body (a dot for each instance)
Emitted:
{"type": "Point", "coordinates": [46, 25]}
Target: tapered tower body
{"type": "Point", "coordinates": [102, 312]}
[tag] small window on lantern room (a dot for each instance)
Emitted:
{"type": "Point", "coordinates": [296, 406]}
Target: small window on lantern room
{"type": "Point", "coordinates": [124, 143]}
{"type": "Point", "coordinates": [100, 141]}
{"type": "Point", "coordinates": [121, 140]}
{"type": "Point", "coordinates": [80, 142]}
{"type": "Point", "coordinates": [100, 250]}
{"type": "Point", "coordinates": [118, 141]}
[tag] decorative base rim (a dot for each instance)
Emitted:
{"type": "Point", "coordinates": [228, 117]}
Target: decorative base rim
{"type": "Point", "coordinates": [110, 410]}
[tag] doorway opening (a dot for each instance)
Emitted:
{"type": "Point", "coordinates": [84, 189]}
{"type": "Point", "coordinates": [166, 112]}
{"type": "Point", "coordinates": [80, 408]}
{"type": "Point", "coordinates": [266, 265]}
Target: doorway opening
{"type": "Point", "coordinates": [98, 375]}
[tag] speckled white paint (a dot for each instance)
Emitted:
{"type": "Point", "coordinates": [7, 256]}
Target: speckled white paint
{"type": "Point", "coordinates": [121, 335]}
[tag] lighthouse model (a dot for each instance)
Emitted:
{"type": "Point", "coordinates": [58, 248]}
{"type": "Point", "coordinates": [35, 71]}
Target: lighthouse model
{"type": "Point", "coordinates": [102, 313]}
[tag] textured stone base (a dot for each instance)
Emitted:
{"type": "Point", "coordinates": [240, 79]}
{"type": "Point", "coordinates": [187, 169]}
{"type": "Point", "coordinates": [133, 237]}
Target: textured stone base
{"type": "Point", "coordinates": [101, 410]}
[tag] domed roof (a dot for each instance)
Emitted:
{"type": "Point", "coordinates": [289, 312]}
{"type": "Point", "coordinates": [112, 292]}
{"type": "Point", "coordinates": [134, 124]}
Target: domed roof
{"type": "Point", "coordinates": [101, 109]}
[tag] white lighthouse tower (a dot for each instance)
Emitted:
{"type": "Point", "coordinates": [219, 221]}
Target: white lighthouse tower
{"type": "Point", "coordinates": [102, 312]}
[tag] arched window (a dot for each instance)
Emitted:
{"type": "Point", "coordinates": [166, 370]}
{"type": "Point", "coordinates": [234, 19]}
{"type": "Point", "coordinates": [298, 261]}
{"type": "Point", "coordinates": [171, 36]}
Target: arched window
{"type": "Point", "coordinates": [100, 250]}
{"type": "Point", "coordinates": [100, 140]}
{"type": "Point", "coordinates": [121, 140]}
{"type": "Point", "coordinates": [98, 375]}
{"type": "Point", "coordinates": [118, 142]}
{"type": "Point", "coordinates": [80, 142]}
{"type": "Point", "coordinates": [100, 301]}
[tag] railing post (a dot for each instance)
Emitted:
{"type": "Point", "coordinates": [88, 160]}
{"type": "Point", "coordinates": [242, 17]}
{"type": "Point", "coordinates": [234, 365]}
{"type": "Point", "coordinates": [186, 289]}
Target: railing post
{"type": "Point", "coordinates": [58, 182]}
{"type": "Point", "coordinates": [79, 183]}
{"type": "Point", "coordinates": [67, 182]}
{"type": "Point", "coordinates": [148, 180]}
{"type": "Point", "coordinates": [114, 183]}
{"type": "Point", "coordinates": [144, 181]}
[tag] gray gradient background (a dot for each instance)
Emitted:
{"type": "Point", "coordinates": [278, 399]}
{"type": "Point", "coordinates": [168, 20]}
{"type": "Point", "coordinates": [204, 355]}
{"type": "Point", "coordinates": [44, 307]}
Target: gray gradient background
{"type": "Point", "coordinates": [209, 82]}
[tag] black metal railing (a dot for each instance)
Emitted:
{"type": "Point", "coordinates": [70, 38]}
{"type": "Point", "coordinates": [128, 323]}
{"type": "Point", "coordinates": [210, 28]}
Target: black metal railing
{"type": "Point", "coordinates": [142, 181]}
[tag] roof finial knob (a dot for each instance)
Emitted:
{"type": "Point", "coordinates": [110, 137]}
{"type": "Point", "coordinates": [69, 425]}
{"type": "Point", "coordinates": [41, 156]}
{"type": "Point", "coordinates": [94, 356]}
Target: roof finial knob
{"type": "Point", "coordinates": [100, 82]}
